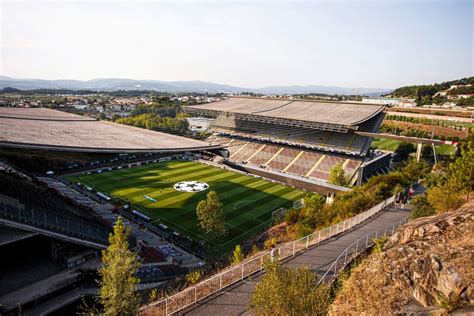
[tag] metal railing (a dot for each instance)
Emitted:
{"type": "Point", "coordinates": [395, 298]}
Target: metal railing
{"type": "Point", "coordinates": [356, 248]}
{"type": "Point", "coordinates": [236, 273]}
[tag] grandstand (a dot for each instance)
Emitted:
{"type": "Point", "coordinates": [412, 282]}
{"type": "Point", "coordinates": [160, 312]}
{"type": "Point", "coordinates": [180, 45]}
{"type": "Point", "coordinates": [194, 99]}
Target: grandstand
{"type": "Point", "coordinates": [303, 138]}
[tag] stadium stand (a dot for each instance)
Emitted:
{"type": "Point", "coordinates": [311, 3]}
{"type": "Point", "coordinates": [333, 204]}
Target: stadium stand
{"type": "Point", "coordinates": [304, 138]}
{"type": "Point", "coordinates": [150, 254]}
{"type": "Point", "coordinates": [153, 273]}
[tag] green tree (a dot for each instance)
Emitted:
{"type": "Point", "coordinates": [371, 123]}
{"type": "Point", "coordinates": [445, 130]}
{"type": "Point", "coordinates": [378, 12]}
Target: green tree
{"type": "Point", "coordinates": [288, 291]}
{"type": "Point", "coordinates": [421, 207]}
{"type": "Point", "coordinates": [291, 216]}
{"type": "Point", "coordinates": [238, 255]}
{"type": "Point", "coordinates": [404, 150]}
{"type": "Point", "coordinates": [337, 176]}
{"type": "Point", "coordinates": [118, 285]}
{"type": "Point", "coordinates": [312, 206]}
{"type": "Point", "coordinates": [444, 198]}
{"type": "Point", "coordinates": [210, 214]}
{"type": "Point", "coordinates": [461, 171]}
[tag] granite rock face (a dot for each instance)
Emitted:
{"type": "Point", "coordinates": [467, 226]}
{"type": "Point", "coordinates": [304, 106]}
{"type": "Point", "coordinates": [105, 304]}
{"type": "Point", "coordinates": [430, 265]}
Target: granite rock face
{"type": "Point", "coordinates": [426, 267]}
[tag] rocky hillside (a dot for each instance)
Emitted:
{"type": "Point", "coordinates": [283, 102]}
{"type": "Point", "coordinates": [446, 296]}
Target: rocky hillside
{"type": "Point", "coordinates": [427, 268]}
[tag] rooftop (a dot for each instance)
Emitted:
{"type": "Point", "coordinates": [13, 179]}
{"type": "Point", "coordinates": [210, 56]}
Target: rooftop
{"type": "Point", "coordinates": [322, 112]}
{"type": "Point", "coordinates": [41, 128]}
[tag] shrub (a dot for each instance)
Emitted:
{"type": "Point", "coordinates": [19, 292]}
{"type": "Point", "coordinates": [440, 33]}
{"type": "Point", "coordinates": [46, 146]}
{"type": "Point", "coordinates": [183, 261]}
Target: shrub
{"type": "Point", "coordinates": [291, 216]}
{"type": "Point", "coordinates": [421, 207]}
{"type": "Point", "coordinates": [303, 230]}
{"type": "Point", "coordinates": [288, 291]}
{"type": "Point", "coordinates": [380, 243]}
{"type": "Point", "coordinates": [194, 277]}
{"type": "Point", "coordinates": [238, 255]}
{"type": "Point", "coordinates": [270, 243]}
{"type": "Point", "coordinates": [444, 198]}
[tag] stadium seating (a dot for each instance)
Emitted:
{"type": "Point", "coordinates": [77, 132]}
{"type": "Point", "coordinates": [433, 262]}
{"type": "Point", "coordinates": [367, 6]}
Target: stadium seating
{"type": "Point", "coordinates": [320, 140]}
{"type": "Point", "coordinates": [246, 152]}
{"type": "Point", "coordinates": [264, 154]}
{"type": "Point", "coordinates": [152, 273]}
{"type": "Point", "coordinates": [149, 255]}
{"type": "Point", "coordinates": [304, 162]}
{"type": "Point", "coordinates": [284, 158]}
{"type": "Point", "coordinates": [298, 161]}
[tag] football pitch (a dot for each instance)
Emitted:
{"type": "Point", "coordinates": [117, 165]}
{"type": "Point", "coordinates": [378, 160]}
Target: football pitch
{"type": "Point", "coordinates": [248, 201]}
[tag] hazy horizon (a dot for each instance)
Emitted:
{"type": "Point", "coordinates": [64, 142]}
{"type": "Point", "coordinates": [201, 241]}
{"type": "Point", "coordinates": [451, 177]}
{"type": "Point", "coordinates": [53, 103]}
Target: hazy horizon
{"type": "Point", "coordinates": [346, 44]}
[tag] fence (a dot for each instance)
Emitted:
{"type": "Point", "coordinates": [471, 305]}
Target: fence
{"type": "Point", "coordinates": [357, 247]}
{"type": "Point", "coordinates": [236, 273]}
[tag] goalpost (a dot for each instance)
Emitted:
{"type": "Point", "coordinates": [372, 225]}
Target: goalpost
{"type": "Point", "coordinates": [298, 204]}
{"type": "Point", "coordinates": [280, 213]}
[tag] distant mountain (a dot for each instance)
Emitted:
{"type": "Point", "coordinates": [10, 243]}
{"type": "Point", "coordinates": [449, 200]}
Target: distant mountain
{"type": "Point", "coordinates": [112, 84]}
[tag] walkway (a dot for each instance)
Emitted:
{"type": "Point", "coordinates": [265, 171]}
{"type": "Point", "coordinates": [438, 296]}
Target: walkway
{"type": "Point", "coordinates": [236, 298]}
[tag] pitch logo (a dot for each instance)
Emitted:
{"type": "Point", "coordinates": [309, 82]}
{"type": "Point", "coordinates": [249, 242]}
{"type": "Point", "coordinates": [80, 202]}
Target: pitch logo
{"type": "Point", "coordinates": [191, 186]}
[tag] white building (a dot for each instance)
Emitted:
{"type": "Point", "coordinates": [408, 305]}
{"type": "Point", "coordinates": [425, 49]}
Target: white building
{"type": "Point", "coordinates": [382, 101]}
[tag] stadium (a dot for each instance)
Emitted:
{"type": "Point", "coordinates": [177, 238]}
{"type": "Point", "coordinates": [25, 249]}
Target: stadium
{"type": "Point", "coordinates": [262, 156]}
{"type": "Point", "coordinates": [305, 139]}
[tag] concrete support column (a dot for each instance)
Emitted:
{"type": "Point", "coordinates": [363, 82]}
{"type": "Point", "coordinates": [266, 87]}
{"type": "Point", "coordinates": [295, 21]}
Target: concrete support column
{"type": "Point", "coordinates": [418, 151]}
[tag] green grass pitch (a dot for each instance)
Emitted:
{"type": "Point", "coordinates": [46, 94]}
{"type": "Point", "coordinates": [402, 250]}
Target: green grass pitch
{"type": "Point", "coordinates": [391, 145]}
{"type": "Point", "coordinates": [248, 201]}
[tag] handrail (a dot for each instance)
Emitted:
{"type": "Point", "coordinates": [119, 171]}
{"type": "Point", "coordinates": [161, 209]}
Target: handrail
{"type": "Point", "coordinates": [235, 273]}
{"type": "Point", "coordinates": [357, 249]}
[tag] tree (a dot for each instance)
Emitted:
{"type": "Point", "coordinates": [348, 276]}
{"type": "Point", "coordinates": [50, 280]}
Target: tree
{"type": "Point", "coordinates": [238, 255]}
{"type": "Point", "coordinates": [118, 285]}
{"type": "Point", "coordinates": [421, 207]}
{"type": "Point", "coordinates": [444, 198]}
{"type": "Point", "coordinates": [312, 206]}
{"type": "Point", "coordinates": [337, 176]}
{"type": "Point", "coordinates": [288, 291]}
{"type": "Point", "coordinates": [403, 151]}
{"type": "Point", "coordinates": [461, 171]}
{"type": "Point", "coordinates": [427, 152]}
{"type": "Point", "coordinates": [210, 214]}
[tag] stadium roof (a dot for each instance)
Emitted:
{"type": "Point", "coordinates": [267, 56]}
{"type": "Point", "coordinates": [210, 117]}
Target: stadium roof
{"type": "Point", "coordinates": [40, 128]}
{"type": "Point", "coordinates": [342, 116]}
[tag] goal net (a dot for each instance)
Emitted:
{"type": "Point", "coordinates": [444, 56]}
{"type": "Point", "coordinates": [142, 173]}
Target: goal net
{"type": "Point", "coordinates": [279, 213]}
{"type": "Point", "coordinates": [298, 204]}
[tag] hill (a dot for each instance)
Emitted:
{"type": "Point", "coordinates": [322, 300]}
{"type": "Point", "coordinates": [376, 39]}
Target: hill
{"type": "Point", "coordinates": [426, 267]}
{"type": "Point", "coordinates": [417, 91]}
{"type": "Point", "coordinates": [114, 84]}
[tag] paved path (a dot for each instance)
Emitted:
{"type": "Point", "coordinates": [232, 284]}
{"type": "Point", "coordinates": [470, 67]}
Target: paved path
{"type": "Point", "coordinates": [236, 298]}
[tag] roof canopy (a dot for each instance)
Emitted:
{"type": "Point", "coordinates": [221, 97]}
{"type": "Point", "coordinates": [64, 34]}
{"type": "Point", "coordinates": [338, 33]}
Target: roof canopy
{"type": "Point", "coordinates": [338, 116]}
{"type": "Point", "coordinates": [40, 128]}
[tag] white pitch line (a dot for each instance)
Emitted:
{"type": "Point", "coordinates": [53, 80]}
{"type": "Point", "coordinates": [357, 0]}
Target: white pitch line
{"type": "Point", "coordinates": [235, 205]}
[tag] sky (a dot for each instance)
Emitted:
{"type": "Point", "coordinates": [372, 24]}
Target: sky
{"type": "Point", "coordinates": [372, 44]}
